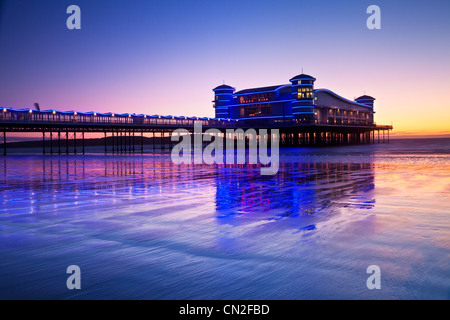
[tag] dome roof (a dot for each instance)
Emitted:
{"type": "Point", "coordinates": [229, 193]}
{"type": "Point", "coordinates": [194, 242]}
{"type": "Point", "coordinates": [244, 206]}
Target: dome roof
{"type": "Point", "coordinates": [224, 87]}
{"type": "Point", "coordinates": [365, 97]}
{"type": "Point", "coordinates": [303, 77]}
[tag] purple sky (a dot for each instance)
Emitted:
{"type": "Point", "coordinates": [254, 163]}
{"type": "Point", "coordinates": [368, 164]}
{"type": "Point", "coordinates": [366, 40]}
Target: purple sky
{"type": "Point", "coordinates": [164, 57]}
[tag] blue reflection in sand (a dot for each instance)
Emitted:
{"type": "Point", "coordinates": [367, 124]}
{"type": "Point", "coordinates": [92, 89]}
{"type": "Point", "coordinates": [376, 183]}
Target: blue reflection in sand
{"type": "Point", "coordinates": [140, 227]}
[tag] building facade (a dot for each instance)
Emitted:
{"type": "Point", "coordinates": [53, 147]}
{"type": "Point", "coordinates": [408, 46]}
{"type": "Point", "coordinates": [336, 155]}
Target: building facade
{"type": "Point", "coordinates": [294, 103]}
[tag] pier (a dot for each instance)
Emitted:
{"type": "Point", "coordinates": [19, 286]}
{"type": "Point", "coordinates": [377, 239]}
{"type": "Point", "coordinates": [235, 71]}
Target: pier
{"type": "Point", "coordinates": [63, 132]}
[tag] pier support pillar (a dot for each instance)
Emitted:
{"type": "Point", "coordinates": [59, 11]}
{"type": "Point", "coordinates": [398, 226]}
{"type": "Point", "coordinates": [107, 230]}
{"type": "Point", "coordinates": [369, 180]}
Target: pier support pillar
{"type": "Point", "coordinates": [59, 142]}
{"type": "Point", "coordinates": [153, 141]}
{"type": "Point", "coordinates": [112, 142]}
{"type": "Point", "coordinates": [4, 143]}
{"type": "Point", "coordinates": [75, 143]}
{"type": "Point", "coordinates": [67, 142]}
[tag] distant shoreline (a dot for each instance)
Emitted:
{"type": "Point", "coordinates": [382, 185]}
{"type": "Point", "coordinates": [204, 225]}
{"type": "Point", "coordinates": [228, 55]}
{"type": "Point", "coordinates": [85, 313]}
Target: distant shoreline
{"type": "Point", "coordinates": [97, 142]}
{"type": "Point", "coordinates": [37, 142]}
{"type": "Point", "coordinates": [396, 147]}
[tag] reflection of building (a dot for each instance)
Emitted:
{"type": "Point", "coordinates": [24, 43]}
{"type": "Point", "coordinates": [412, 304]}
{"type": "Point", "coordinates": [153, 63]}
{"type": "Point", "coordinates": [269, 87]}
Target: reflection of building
{"type": "Point", "coordinates": [297, 189]}
{"type": "Point", "coordinates": [297, 102]}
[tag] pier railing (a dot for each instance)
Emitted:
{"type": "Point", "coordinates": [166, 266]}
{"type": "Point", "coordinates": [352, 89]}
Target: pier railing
{"type": "Point", "coordinates": [92, 118]}
{"type": "Point", "coordinates": [63, 130]}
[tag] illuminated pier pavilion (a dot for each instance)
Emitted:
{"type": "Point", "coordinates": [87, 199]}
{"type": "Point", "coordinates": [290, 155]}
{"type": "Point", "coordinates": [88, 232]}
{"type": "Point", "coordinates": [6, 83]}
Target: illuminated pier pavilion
{"type": "Point", "coordinates": [303, 115]}
{"type": "Point", "coordinates": [294, 103]}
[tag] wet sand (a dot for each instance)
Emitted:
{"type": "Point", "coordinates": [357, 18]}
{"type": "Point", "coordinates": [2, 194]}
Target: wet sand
{"type": "Point", "coordinates": [140, 227]}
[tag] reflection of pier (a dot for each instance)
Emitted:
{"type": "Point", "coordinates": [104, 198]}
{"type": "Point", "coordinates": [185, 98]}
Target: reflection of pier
{"type": "Point", "coordinates": [64, 132]}
{"type": "Point", "coordinates": [299, 189]}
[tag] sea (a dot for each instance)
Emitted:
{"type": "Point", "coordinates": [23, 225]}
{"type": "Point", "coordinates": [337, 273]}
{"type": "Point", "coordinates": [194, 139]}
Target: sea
{"type": "Point", "coordinates": [141, 227]}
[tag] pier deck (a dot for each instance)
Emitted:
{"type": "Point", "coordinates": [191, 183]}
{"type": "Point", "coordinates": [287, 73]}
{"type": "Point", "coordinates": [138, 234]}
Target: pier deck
{"type": "Point", "coordinates": [126, 131]}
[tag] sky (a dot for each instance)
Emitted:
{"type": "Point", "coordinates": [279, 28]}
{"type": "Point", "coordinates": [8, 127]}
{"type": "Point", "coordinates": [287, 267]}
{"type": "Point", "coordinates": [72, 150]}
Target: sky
{"type": "Point", "coordinates": [165, 57]}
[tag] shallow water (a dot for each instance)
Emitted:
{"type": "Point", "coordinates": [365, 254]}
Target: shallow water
{"type": "Point", "coordinates": [140, 227]}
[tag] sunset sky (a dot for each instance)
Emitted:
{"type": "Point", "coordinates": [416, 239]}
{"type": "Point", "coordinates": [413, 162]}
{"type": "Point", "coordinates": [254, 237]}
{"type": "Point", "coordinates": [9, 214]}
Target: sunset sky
{"type": "Point", "coordinates": [165, 57]}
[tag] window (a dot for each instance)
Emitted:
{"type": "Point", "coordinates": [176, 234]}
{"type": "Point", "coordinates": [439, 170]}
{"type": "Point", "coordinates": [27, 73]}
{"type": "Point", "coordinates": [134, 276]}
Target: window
{"type": "Point", "coordinates": [305, 95]}
{"type": "Point", "coordinates": [305, 90]}
{"type": "Point", "coordinates": [260, 110]}
{"type": "Point", "coordinates": [251, 98]}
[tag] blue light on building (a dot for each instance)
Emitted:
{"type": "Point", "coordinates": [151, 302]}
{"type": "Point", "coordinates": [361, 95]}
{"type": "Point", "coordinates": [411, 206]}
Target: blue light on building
{"type": "Point", "coordinates": [297, 102]}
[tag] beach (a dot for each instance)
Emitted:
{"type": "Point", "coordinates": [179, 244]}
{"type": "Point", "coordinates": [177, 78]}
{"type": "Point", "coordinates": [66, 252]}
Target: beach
{"type": "Point", "coordinates": [141, 227]}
